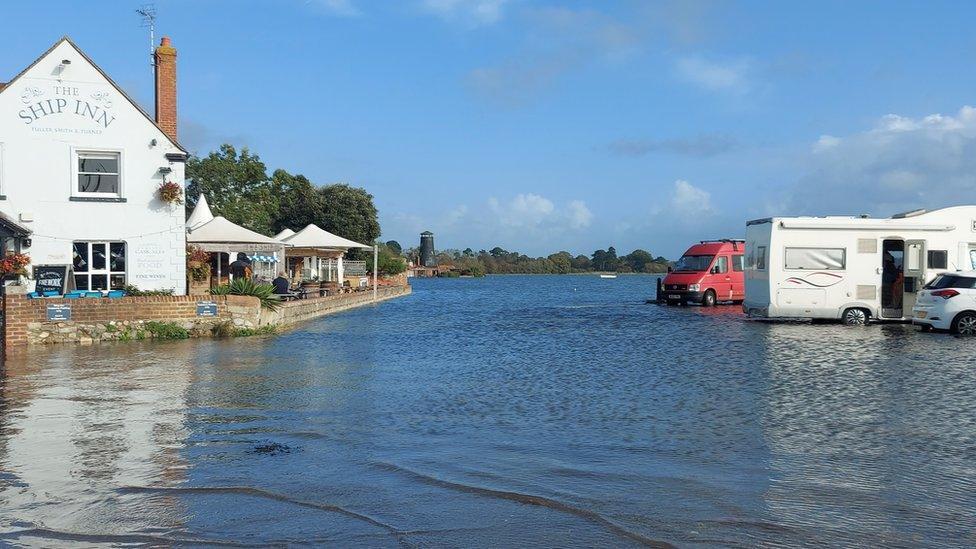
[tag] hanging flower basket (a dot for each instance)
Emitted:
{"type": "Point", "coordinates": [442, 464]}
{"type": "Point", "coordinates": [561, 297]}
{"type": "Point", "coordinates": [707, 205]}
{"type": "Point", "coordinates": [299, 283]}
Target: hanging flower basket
{"type": "Point", "coordinates": [171, 193]}
{"type": "Point", "coordinates": [14, 265]}
{"type": "Point", "coordinates": [197, 264]}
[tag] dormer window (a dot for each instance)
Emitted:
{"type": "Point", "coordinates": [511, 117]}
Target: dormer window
{"type": "Point", "coordinates": [99, 174]}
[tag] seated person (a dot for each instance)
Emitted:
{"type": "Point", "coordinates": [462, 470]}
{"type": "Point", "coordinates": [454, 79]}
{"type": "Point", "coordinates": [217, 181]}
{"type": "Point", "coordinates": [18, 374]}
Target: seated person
{"type": "Point", "coordinates": [281, 284]}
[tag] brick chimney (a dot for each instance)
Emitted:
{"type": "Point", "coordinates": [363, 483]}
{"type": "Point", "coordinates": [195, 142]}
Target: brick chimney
{"type": "Point", "coordinates": [166, 87]}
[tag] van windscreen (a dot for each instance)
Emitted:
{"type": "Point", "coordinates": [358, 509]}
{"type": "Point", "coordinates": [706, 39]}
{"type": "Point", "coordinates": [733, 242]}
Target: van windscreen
{"type": "Point", "coordinates": [693, 263]}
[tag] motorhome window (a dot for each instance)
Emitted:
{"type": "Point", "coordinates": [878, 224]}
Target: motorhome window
{"type": "Point", "coordinates": [693, 263]}
{"type": "Point", "coordinates": [761, 258]}
{"type": "Point", "coordinates": [737, 263]}
{"type": "Point", "coordinates": [951, 281]}
{"type": "Point", "coordinates": [815, 259]}
{"type": "Point", "coordinates": [722, 264]}
{"type": "Point", "coordinates": [938, 259]}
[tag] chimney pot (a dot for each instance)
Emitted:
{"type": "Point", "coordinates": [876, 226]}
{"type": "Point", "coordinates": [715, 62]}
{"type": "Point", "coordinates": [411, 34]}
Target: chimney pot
{"type": "Point", "coordinates": [165, 41]}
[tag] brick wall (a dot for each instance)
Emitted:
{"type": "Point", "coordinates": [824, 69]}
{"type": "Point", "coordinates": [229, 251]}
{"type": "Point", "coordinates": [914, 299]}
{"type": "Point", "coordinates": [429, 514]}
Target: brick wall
{"type": "Point", "coordinates": [166, 88]}
{"type": "Point", "coordinates": [108, 319]}
{"type": "Point", "coordinates": [95, 320]}
{"type": "Point", "coordinates": [301, 310]}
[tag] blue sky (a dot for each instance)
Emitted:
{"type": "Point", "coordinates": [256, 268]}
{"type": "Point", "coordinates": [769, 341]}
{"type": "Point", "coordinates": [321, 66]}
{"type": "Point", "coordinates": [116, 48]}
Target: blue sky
{"type": "Point", "coordinates": [540, 125]}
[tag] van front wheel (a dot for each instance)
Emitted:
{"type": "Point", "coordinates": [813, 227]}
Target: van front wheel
{"type": "Point", "coordinates": [855, 317]}
{"type": "Point", "coordinates": [709, 299]}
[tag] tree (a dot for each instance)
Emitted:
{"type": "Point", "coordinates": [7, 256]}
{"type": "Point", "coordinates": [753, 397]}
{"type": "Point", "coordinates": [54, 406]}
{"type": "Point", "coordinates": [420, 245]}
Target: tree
{"type": "Point", "coordinates": [394, 247]}
{"type": "Point", "coordinates": [349, 212]}
{"type": "Point", "coordinates": [299, 203]}
{"type": "Point", "coordinates": [388, 263]}
{"type": "Point", "coordinates": [638, 259]}
{"type": "Point", "coordinates": [562, 262]}
{"type": "Point", "coordinates": [236, 186]}
{"type": "Point", "coordinates": [581, 263]}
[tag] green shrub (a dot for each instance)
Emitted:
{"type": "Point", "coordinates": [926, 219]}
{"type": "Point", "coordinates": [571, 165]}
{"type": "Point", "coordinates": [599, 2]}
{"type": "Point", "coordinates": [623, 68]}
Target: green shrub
{"type": "Point", "coordinates": [223, 329]}
{"type": "Point", "coordinates": [448, 274]}
{"type": "Point", "coordinates": [243, 286]}
{"type": "Point", "coordinates": [263, 330]}
{"type": "Point", "coordinates": [167, 330]}
{"type": "Point", "coordinates": [134, 291]}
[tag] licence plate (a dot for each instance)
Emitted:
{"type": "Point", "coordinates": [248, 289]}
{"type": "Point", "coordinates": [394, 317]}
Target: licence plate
{"type": "Point", "coordinates": [921, 314]}
{"type": "Point", "coordinates": [674, 296]}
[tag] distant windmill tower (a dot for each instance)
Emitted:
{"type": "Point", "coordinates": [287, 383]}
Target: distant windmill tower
{"type": "Point", "coordinates": [427, 258]}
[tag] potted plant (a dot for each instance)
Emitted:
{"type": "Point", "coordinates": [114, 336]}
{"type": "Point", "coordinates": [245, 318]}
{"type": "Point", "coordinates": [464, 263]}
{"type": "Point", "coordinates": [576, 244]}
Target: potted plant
{"type": "Point", "coordinates": [170, 192]}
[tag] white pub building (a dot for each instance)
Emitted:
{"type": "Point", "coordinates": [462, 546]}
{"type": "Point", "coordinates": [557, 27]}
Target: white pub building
{"type": "Point", "coordinates": [80, 169]}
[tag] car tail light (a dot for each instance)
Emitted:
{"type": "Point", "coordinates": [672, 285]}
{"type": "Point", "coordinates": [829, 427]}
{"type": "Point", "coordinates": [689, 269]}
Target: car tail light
{"type": "Point", "coordinates": [945, 294]}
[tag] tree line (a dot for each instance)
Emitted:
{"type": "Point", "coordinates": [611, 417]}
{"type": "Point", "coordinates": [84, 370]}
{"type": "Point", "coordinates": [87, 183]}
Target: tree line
{"type": "Point", "coordinates": [238, 187]}
{"type": "Point", "coordinates": [501, 261]}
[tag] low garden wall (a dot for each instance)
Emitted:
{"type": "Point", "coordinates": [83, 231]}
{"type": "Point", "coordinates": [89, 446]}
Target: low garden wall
{"type": "Point", "coordinates": [307, 309]}
{"type": "Point", "coordinates": [86, 321]}
{"type": "Point", "coordinates": [39, 321]}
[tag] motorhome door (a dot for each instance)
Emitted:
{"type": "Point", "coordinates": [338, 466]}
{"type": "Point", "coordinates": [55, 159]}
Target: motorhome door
{"type": "Point", "coordinates": [892, 278]}
{"type": "Point", "coordinates": [914, 271]}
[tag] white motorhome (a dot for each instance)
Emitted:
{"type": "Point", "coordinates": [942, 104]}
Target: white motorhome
{"type": "Point", "coordinates": [852, 268]}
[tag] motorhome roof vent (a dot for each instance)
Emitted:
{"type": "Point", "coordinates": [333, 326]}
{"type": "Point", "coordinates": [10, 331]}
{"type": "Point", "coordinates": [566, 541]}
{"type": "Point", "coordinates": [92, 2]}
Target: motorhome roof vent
{"type": "Point", "coordinates": [910, 213]}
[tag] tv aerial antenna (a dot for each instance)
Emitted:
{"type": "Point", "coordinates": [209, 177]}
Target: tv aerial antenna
{"type": "Point", "coordinates": [148, 14]}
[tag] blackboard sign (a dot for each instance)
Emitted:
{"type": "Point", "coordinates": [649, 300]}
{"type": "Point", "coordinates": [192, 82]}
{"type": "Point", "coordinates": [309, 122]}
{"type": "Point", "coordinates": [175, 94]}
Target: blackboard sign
{"type": "Point", "coordinates": [206, 308]}
{"type": "Point", "coordinates": [58, 312]}
{"type": "Point", "coordinates": [57, 278]}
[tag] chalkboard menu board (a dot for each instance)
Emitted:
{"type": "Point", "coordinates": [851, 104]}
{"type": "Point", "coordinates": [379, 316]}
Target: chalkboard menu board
{"type": "Point", "coordinates": [57, 278]}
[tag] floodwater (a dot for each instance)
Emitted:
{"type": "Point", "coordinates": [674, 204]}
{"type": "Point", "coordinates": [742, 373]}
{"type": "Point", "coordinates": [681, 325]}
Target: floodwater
{"type": "Point", "coordinates": [510, 411]}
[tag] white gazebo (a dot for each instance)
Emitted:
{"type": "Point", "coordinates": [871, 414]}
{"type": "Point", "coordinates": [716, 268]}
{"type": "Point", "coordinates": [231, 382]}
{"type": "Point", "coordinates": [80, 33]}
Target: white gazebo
{"type": "Point", "coordinates": [319, 253]}
{"type": "Point", "coordinates": [222, 238]}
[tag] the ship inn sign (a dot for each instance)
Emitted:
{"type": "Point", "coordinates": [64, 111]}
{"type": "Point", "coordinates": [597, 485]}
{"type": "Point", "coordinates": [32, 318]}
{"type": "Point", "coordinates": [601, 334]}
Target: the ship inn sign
{"type": "Point", "coordinates": [66, 100]}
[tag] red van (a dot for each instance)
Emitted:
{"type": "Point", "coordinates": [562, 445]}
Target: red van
{"type": "Point", "coordinates": [709, 272]}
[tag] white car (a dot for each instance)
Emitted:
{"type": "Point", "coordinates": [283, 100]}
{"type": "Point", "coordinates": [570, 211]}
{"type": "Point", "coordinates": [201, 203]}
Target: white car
{"type": "Point", "coordinates": [948, 303]}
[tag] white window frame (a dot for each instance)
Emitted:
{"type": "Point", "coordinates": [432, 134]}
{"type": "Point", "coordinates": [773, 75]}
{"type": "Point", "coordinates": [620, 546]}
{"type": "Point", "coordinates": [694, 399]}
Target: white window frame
{"type": "Point", "coordinates": [107, 271]}
{"type": "Point", "coordinates": [786, 253]}
{"type": "Point", "coordinates": [76, 153]}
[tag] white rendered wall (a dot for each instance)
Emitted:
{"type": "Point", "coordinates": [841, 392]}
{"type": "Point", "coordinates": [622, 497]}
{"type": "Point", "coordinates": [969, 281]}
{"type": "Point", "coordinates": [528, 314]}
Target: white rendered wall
{"type": "Point", "coordinates": [37, 170]}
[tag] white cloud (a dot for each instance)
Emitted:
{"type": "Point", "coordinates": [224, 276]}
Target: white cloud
{"type": "Point", "coordinates": [900, 164]}
{"type": "Point", "coordinates": [345, 8]}
{"type": "Point", "coordinates": [579, 215]}
{"type": "Point", "coordinates": [476, 12]}
{"type": "Point", "coordinates": [730, 76]}
{"type": "Point", "coordinates": [689, 199]}
{"type": "Point", "coordinates": [826, 142]}
{"type": "Point", "coordinates": [558, 41]}
{"type": "Point", "coordinates": [525, 210]}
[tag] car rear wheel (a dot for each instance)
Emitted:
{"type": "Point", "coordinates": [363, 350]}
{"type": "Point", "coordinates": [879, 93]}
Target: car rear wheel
{"type": "Point", "coordinates": [855, 317]}
{"type": "Point", "coordinates": [964, 324]}
{"type": "Point", "coordinates": [709, 299]}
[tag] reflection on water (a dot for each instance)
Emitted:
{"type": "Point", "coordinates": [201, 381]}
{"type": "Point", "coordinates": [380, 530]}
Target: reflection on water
{"type": "Point", "coordinates": [509, 411]}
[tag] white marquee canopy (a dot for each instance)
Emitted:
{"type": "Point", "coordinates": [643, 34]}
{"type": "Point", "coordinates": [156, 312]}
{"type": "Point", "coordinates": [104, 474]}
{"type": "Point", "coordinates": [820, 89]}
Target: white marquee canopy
{"type": "Point", "coordinates": [313, 236]}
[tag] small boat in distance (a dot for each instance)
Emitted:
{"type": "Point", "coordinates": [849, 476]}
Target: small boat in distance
{"type": "Point", "coordinates": [608, 276]}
